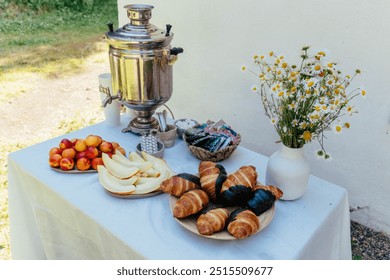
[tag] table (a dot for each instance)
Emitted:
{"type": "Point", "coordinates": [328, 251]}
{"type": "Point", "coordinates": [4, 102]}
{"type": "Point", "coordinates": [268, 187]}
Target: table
{"type": "Point", "coordinates": [70, 216]}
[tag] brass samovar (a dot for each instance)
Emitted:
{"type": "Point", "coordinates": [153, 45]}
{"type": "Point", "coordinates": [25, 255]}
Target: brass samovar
{"type": "Point", "coordinates": [141, 60]}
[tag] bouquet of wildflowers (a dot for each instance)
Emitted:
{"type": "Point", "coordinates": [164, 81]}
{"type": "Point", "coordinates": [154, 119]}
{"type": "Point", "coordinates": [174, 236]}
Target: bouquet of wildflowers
{"type": "Point", "coordinates": [304, 101]}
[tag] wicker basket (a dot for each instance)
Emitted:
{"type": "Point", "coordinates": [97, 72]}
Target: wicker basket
{"type": "Point", "coordinates": [206, 155]}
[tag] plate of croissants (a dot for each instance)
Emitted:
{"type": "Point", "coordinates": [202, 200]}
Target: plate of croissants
{"type": "Point", "coordinates": [218, 205]}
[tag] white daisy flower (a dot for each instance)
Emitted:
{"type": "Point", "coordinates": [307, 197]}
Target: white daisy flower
{"type": "Point", "coordinates": [274, 121]}
{"type": "Point", "coordinates": [362, 92]}
{"type": "Point", "coordinates": [317, 68]}
{"type": "Point", "coordinates": [328, 157]}
{"type": "Point", "coordinates": [320, 154]}
{"type": "Point", "coordinates": [310, 83]}
{"type": "Point", "coordinates": [254, 88]}
{"type": "Point", "coordinates": [338, 128]}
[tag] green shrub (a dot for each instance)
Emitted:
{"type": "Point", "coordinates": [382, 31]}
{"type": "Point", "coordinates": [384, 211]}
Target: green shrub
{"type": "Point", "coordinates": [39, 5]}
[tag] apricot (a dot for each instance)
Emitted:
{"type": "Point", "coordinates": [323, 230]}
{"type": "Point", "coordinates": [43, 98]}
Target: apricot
{"type": "Point", "coordinates": [67, 164]}
{"type": "Point", "coordinates": [83, 164]}
{"type": "Point", "coordinates": [115, 145]}
{"type": "Point", "coordinates": [80, 145]}
{"type": "Point", "coordinates": [96, 161]}
{"type": "Point", "coordinates": [91, 152]}
{"type": "Point", "coordinates": [80, 155]}
{"type": "Point", "coordinates": [54, 151]}
{"type": "Point", "coordinates": [65, 144]}
{"type": "Point", "coordinates": [54, 160]}
{"type": "Point", "coordinates": [106, 147]}
{"type": "Point", "coordinates": [69, 153]}
{"type": "Point", "coordinates": [93, 140]}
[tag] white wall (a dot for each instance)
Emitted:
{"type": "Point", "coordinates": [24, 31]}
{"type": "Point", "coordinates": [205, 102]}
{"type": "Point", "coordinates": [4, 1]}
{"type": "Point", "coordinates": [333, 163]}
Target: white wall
{"type": "Point", "coordinates": [219, 36]}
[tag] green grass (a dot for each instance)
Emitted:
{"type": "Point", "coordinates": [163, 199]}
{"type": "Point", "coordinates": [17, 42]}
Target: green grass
{"type": "Point", "coordinates": [51, 41]}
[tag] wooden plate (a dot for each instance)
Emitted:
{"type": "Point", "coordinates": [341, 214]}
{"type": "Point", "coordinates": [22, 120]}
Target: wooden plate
{"type": "Point", "coordinates": [73, 171]}
{"type": "Point", "coordinates": [134, 196]}
{"type": "Point", "coordinates": [190, 222]}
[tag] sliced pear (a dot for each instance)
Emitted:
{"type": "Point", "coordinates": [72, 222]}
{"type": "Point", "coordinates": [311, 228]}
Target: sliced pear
{"type": "Point", "coordinates": [110, 184]}
{"type": "Point", "coordinates": [117, 169]}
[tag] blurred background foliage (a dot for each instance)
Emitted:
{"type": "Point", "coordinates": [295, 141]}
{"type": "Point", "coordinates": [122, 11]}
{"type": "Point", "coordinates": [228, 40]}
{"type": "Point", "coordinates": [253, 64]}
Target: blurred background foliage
{"type": "Point", "coordinates": [49, 38]}
{"type": "Point", "coordinates": [37, 33]}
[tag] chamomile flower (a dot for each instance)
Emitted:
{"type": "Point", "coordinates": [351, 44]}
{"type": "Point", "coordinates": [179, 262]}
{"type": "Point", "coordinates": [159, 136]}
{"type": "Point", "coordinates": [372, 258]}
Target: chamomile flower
{"type": "Point", "coordinates": [338, 128]}
{"type": "Point", "coordinates": [274, 121]}
{"type": "Point", "coordinates": [303, 101]}
{"type": "Point", "coordinates": [317, 68]}
{"type": "Point", "coordinates": [328, 157]}
{"type": "Point", "coordinates": [350, 110]}
{"type": "Point", "coordinates": [307, 136]}
{"type": "Point", "coordinates": [303, 125]}
{"type": "Point", "coordinates": [310, 83]}
{"type": "Point", "coordinates": [243, 68]}
{"type": "Point", "coordinates": [320, 154]}
{"type": "Point", "coordinates": [362, 92]}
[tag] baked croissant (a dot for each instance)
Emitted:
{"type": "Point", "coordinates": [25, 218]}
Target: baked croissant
{"type": "Point", "coordinates": [243, 223]}
{"type": "Point", "coordinates": [190, 202]}
{"type": "Point", "coordinates": [213, 221]}
{"type": "Point", "coordinates": [237, 188]}
{"type": "Point", "coordinates": [211, 175]}
{"type": "Point", "coordinates": [278, 193]}
{"type": "Point", "coordinates": [263, 198]}
{"type": "Point", "coordinates": [180, 183]}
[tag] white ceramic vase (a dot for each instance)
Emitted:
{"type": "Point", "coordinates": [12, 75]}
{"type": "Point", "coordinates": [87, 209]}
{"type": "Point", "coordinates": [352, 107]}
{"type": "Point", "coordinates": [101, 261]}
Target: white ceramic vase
{"type": "Point", "coordinates": [288, 170]}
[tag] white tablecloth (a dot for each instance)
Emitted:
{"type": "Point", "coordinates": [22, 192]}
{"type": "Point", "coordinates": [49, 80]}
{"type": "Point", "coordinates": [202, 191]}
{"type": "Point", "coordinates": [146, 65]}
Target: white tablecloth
{"type": "Point", "coordinates": [70, 216]}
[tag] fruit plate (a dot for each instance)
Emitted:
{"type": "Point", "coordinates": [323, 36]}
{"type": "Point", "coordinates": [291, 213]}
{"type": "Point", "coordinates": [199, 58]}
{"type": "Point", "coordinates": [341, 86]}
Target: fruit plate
{"type": "Point", "coordinates": [134, 196]}
{"type": "Point", "coordinates": [189, 223]}
{"type": "Point", "coordinates": [73, 171]}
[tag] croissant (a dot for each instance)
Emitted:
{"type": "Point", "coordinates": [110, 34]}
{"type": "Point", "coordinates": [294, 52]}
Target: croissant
{"type": "Point", "coordinates": [179, 184]}
{"type": "Point", "coordinates": [263, 198]}
{"type": "Point", "coordinates": [278, 193]}
{"type": "Point", "coordinates": [211, 175]}
{"type": "Point", "coordinates": [237, 188]}
{"type": "Point", "coordinates": [213, 221]}
{"type": "Point", "coordinates": [243, 223]}
{"type": "Point", "coordinates": [190, 202]}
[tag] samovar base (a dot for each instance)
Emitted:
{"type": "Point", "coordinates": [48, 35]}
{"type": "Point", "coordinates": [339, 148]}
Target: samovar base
{"type": "Point", "coordinates": [142, 123]}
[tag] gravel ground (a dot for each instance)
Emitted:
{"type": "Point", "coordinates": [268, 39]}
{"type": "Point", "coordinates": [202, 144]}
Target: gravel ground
{"type": "Point", "coordinates": [368, 244]}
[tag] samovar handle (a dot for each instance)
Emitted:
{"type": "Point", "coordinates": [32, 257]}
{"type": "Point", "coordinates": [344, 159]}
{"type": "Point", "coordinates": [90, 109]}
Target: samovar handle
{"type": "Point", "coordinates": [176, 51]}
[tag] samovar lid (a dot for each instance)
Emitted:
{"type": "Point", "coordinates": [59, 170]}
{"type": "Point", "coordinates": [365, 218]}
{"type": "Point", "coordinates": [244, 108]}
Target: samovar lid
{"type": "Point", "coordinates": [139, 32]}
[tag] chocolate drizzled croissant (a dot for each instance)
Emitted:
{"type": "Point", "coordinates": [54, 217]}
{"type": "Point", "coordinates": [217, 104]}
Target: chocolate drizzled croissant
{"type": "Point", "coordinates": [263, 198]}
{"type": "Point", "coordinates": [213, 221]}
{"type": "Point", "coordinates": [237, 188]}
{"type": "Point", "coordinates": [243, 223]}
{"type": "Point", "coordinates": [190, 202]}
{"type": "Point", "coordinates": [180, 183]}
{"type": "Point", "coordinates": [211, 175]}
